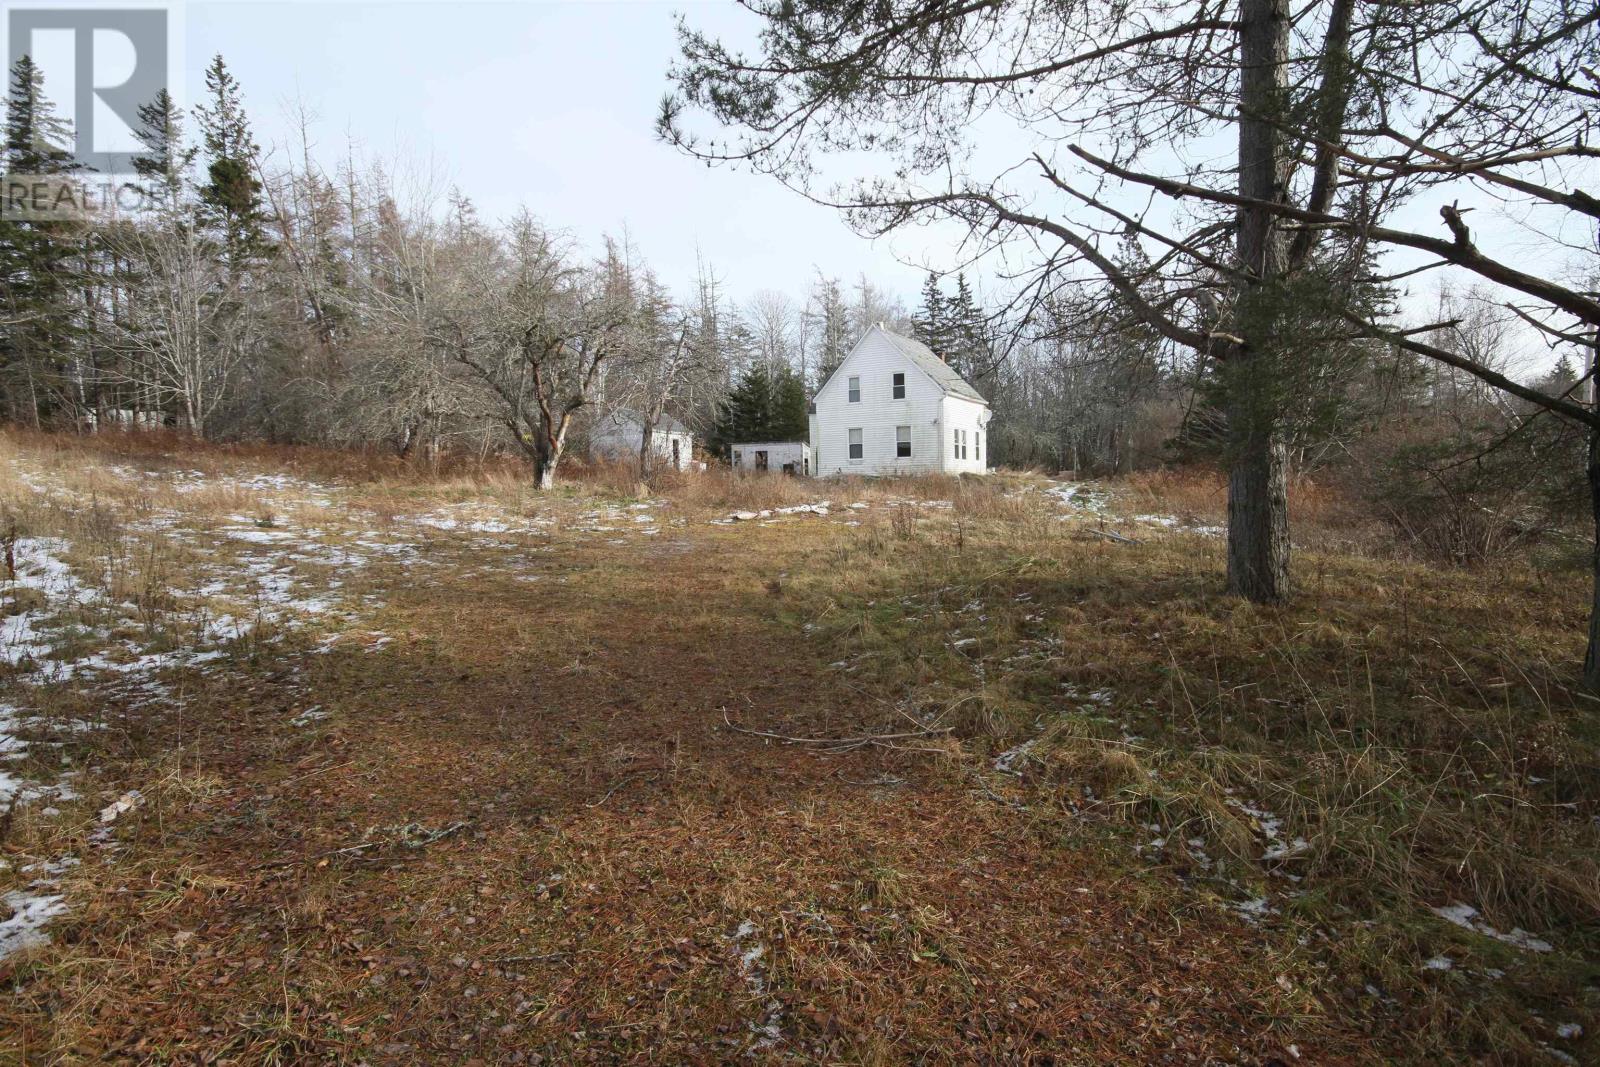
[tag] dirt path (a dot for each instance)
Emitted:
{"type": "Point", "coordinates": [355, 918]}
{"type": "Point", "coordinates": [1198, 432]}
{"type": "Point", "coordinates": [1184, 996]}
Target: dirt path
{"type": "Point", "coordinates": [521, 833]}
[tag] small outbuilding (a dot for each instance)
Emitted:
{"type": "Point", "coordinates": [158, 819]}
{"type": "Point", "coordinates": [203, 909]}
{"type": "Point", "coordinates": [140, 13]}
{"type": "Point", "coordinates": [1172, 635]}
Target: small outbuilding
{"type": "Point", "coordinates": [790, 457]}
{"type": "Point", "coordinates": [619, 434]}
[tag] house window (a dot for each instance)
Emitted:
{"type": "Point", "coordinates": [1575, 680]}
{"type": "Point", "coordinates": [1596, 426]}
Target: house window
{"type": "Point", "coordinates": [902, 440]}
{"type": "Point", "coordinates": [977, 445]}
{"type": "Point", "coordinates": [955, 442]}
{"type": "Point", "coordinates": [855, 390]}
{"type": "Point", "coordinates": [736, 457]}
{"type": "Point", "coordinates": [855, 444]}
{"type": "Point", "coordinates": [900, 389]}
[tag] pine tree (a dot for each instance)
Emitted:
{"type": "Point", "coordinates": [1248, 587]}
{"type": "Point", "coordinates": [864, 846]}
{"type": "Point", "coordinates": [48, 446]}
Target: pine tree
{"type": "Point", "coordinates": [36, 137]}
{"type": "Point", "coordinates": [37, 275]}
{"type": "Point", "coordinates": [766, 405]}
{"type": "Point", "coordinates": [970, 352]}
{"type": "Point", "coordinates": [932, 321]}
{"type": "Point", "coordinates": [163, 167]}
{"type": "Point", "coordinates": [231, 195]}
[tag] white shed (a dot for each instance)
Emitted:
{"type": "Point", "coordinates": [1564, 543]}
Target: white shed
{"type": "Point", "coordinates": [619, 434]}
{"type": "Point", "coordinates": [893, 407]}
{"type": "Point", "coordinates": [790, 457]}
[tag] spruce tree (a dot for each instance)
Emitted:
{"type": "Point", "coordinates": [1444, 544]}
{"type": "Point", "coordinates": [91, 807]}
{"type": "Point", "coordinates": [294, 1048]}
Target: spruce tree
{"type": "Point", "coordinates": [789, 419]}
{"type": "Point", "coordinates": [932, 321]}
{"type": "Point", "coordinates": [231, 195]}
{"type": "Point", "coordinates": [164, 165]}
{"type": "Point", "coordinates": [765, 405]}
{"type": "Point", "coordinates": [37, 275]}
{"type": "Point", "coordinates": [37, 139]}
{"type": "Point", "coordinates": [969, 350]}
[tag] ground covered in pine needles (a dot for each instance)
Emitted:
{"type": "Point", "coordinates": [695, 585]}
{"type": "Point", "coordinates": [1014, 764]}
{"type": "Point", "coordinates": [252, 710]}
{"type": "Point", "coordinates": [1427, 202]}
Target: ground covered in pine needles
{"type": "Point", "coordinates": [314, 758]}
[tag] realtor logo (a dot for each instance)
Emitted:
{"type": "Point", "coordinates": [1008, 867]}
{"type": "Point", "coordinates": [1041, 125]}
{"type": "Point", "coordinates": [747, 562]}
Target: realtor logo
{"type": "Point", "coordinates": [100, 66]}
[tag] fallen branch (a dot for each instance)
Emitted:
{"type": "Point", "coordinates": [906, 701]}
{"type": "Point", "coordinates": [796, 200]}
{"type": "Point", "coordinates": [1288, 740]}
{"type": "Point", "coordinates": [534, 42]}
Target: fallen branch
{"type": "Point", "coordinates": [840, 743]}
{"type": "Point", "coordinates": [412, 835]}
{"type": "Point", "coordinates": [1109, 536]}
{"type": "Point", "coordinates": [624, 780]}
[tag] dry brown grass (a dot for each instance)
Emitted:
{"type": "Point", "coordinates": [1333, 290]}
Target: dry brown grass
{"type": "Point", "coordinates": [161, 448]}
{"type": "Point", "coordinates": [1414, 726]}
{"type": "Point", "coordinates": [621, 853]}
{"type": "Point", "coordinates": [1201, 494]}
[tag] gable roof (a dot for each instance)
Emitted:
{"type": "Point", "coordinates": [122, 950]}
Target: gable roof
{"type": "Point", "coordinates": [665, 424]}
{"type": "Point", "coordinates": [943, 375]}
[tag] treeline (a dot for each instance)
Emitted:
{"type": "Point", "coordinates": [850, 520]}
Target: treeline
{"type": "Point", "coordinates": [363, 306]}
{"type": "Point", "coordinates": [370, 307]}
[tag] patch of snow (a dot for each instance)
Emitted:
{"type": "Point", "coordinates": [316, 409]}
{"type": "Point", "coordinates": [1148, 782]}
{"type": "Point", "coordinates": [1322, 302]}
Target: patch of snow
{"type": "Point", "coordinates": [30, 912]}
{"type": "Point", "coordinates": [1078, 497]}
{"type": "Point", "coordinates": [768, 1030]}
{"type": "Point", "coordinates": [256, 535]}
{"type": "Point", "coordinates": [1466, 917]}
{"type": "Point", "coordinates": [1254, 909]}
{"type": "Point", "coordinates": [1010, 761]}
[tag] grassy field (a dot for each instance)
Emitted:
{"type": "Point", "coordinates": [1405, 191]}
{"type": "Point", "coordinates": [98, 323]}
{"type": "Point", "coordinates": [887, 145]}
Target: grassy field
{"type": "Point", "coordinates": [317, 758]}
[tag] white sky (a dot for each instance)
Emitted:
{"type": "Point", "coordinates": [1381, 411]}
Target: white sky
{"type": "Point", "coordinates": [548, 105]}
{"type": "Point", "coordinates": [551, 105]}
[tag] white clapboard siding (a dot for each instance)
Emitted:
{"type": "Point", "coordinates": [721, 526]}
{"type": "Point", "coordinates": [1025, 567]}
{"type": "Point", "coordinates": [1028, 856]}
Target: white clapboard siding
{"type": "Point", "coordinates": [933, 410]}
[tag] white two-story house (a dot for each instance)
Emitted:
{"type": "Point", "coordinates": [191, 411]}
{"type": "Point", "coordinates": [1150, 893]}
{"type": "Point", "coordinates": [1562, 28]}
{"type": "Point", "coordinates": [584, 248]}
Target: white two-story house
{"type": "Point", "coordinates": [893, 407]}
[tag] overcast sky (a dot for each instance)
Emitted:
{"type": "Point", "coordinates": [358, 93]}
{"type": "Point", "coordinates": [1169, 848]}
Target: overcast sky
{"type": "Point", "coordinates": [548, 105]}
{"type": "Point", "coordinates": [551, 105]}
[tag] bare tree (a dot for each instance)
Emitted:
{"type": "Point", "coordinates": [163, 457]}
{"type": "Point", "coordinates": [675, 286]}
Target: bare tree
{"type": "Point", "coordinates": [172, 327]}
{"type": "Point", "coordinates": [774, 324]}
{"type": "Point", "coordinates": [540, 339]}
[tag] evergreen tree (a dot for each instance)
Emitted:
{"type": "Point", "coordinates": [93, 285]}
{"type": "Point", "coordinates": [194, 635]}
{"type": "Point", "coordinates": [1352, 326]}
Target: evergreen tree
{"type": "Point", "coordinates": [231, 195]}
{"type": "Point", "coordinates": [163, 167]}
{"type": "Point", "coordinates": [955, 327]}
{"type": "Point", "coordinates": [1562, 377]}
{"type": "Point", "coordinates": [970, 351]}
{"type": "Point", "coordinates": [790, 418]}
{"type": "Point", "coordinates": [765, 405]}
{"type": "Point", "coordinates": [36, 137]}
{"type": "Point", "coordinates": [932, 321]}
{"type": "Point", "coordinates": [37, 275]}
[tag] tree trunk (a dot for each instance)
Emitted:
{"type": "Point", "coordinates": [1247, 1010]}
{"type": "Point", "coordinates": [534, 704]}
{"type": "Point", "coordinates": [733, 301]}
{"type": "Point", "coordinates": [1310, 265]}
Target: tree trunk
{"type": "Point", "coordinates": [545, 458]}
{"type": "Point", "coordinates": [1591, 657]}
{"type": "Point", "coordinates": [646, 452]}
{"type": "Point", "coordinates": [1258, 518]}
{"type": "Point", "coordinates": [1258, 511]}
